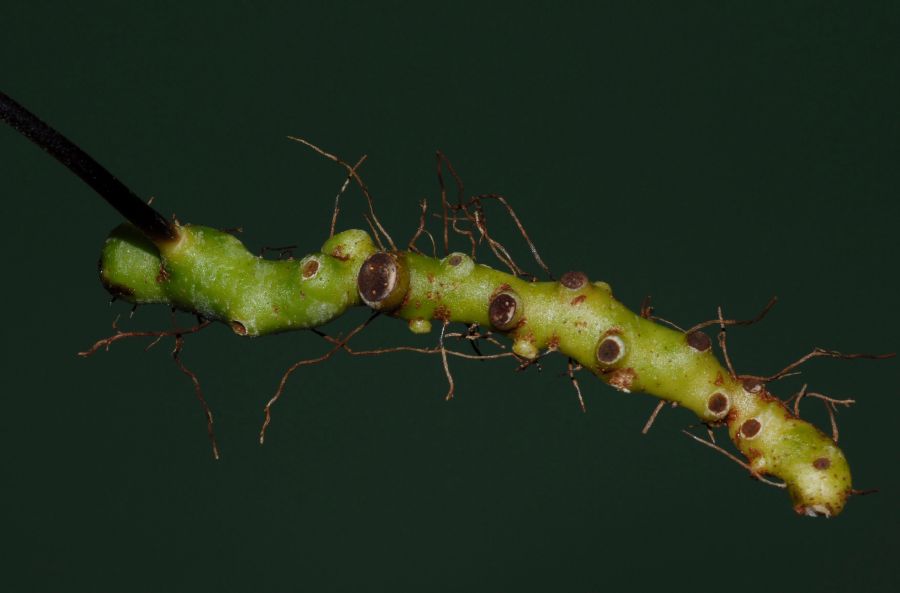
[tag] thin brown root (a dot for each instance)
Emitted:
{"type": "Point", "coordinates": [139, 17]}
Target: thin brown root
{"type": "Point", "coordinates": [411, 245]}
{"type": "Point", "coordinates": [497, 247]}
{"type": "Point", "coordinates": [647, 313]}
{"type": "Point", "coordinates": [337, 198]}
{"type": "Point", "coordinates": [735, 459]}
{"type": "Point", "coordinates": [422, 230]}
{"type": "Point", "coordinates": [460, 186]}
{"type": "Point", "coordinates": [440, 349]}
{"type": "Point", "coordinates": [654, 414]}
{"type": "Point", "coordinates": [572, 368]}
{"type": "Point", "coordinates": [441, 159]}
{"type": "Point", "coordinates": [473, 335]}
{"type": "Point", "coordinates": [374, 232]}
{"type": "Point", "coordinates": [447, 372]}
{"type": "Point", "coordinates": [646, 307]}
{"type": "Point", "coordinates": [830, 400]}
{"type": "Point", "coordinates": [178, 334]}
{"type": "Point", "coordinates": [521, 227]}
{"type": "Point", "coordinates": [817, 353]}
{"type": "Point", "coordinates": [478, 221]}
{"type": "Point", "coordinates": [418, 350]}
{"type": "Point", "coordinates": [267, 410]}
{"type": "Point", "coordinates": [435, 350]}
{"type": "Point", "coordinates": [465, 233]}
{"type": "Point", "coordinates": [723, 344]}
{"type": "Point", "coordinates": [671, 324]}
{"type": "Point", "coordinates": [830, 404]}
{"type": "Point", "coordinates": [536, 361]}
{"type": "Point", "coordinates": [866, 492]}
{"type": "Point", "coordinates": [433, 244]}
{"type": "Point", "coordinates": [105, 343]}
{"type": "Point", "coordinates": [473, 213]}
{"type": "Point", "coordinates": [449, 213]}
{"type": "Point", "coordinates": [796, 399]}
{"type": "Point", "coordinates": [176, 356]}
{"type": "Point", "coordinates": [720, 322]}
{"type": "Point", "coordinates": [832, 417]}
{"type": "Point", "coordinates": [351, 171]}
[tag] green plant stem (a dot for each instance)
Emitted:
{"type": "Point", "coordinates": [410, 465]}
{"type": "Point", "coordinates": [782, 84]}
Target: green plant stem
{"type": "Point", "coordinates": [210, 272]}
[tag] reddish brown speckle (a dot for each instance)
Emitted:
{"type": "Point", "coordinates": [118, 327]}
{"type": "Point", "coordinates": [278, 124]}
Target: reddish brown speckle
{"type": "Point", "coordinates": [719, 379]}
{"type": "Point", "coordinates": [338, 253]}
{"type": "Point", "coordinates": [442, 313]}
{"type": "Point", "coordinates": [622, 378]}
{"type": "Point", "coordinates": [699, 341]}
{"type": "Point", "coordinates": [573, 280]}
{"type": "Point", "coordinates": [822, 463]}
{"type": "Point", "coordinates": [750, 428]}
{"type": "Point", "coordinates": [238, 328]}
{"type": "Point", "coordinates": [578, 300]}
{"type": "Point", "coordinates": [162, 276]}
{"type": "Point", "coordinates": [731, 416]}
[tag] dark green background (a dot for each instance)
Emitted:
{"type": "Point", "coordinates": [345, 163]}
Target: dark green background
{"type": "Point", "coordinates": [701, 153]}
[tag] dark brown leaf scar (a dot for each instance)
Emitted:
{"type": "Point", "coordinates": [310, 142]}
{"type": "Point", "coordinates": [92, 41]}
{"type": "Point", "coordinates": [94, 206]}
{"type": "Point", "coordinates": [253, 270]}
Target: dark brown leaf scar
{"type": "Point", "coordinates": [455, 259]}
{"type": "Point", "coordinates": [752, 385]}
{"type": "Point", "coordinates": [750, 428]}
{"type": "Point", "coordinates": [310, 268]}
{"type": "Point", "coordinates": [573, 280]}
{"type": "Point", "coordinates": [699, 341]}
{"type": "Point", "coordinates": [822, 463]}
{"type": "Point", "coordinates": [383, 281]}
{"type": "Point", "coordinates": [610, 350]}
{"type": "Point", "coordinates": [505, 311]}
{"type": "Point", "coordinates": [717, 404]}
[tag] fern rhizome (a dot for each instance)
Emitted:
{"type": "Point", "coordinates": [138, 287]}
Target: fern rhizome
{"type": "Point", "coordinates": [209, 272]}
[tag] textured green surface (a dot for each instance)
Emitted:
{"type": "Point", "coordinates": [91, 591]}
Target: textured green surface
{"type": "Point", "coordinates": [209, 272]}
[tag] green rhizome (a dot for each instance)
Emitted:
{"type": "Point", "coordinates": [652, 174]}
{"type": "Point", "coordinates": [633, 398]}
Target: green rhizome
{"type": "Point", "coordinates": [210, 272]}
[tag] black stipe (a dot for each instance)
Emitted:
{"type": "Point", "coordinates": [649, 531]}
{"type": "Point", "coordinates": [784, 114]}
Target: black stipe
{"type": "Point", "coordinates": [129, 205]}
